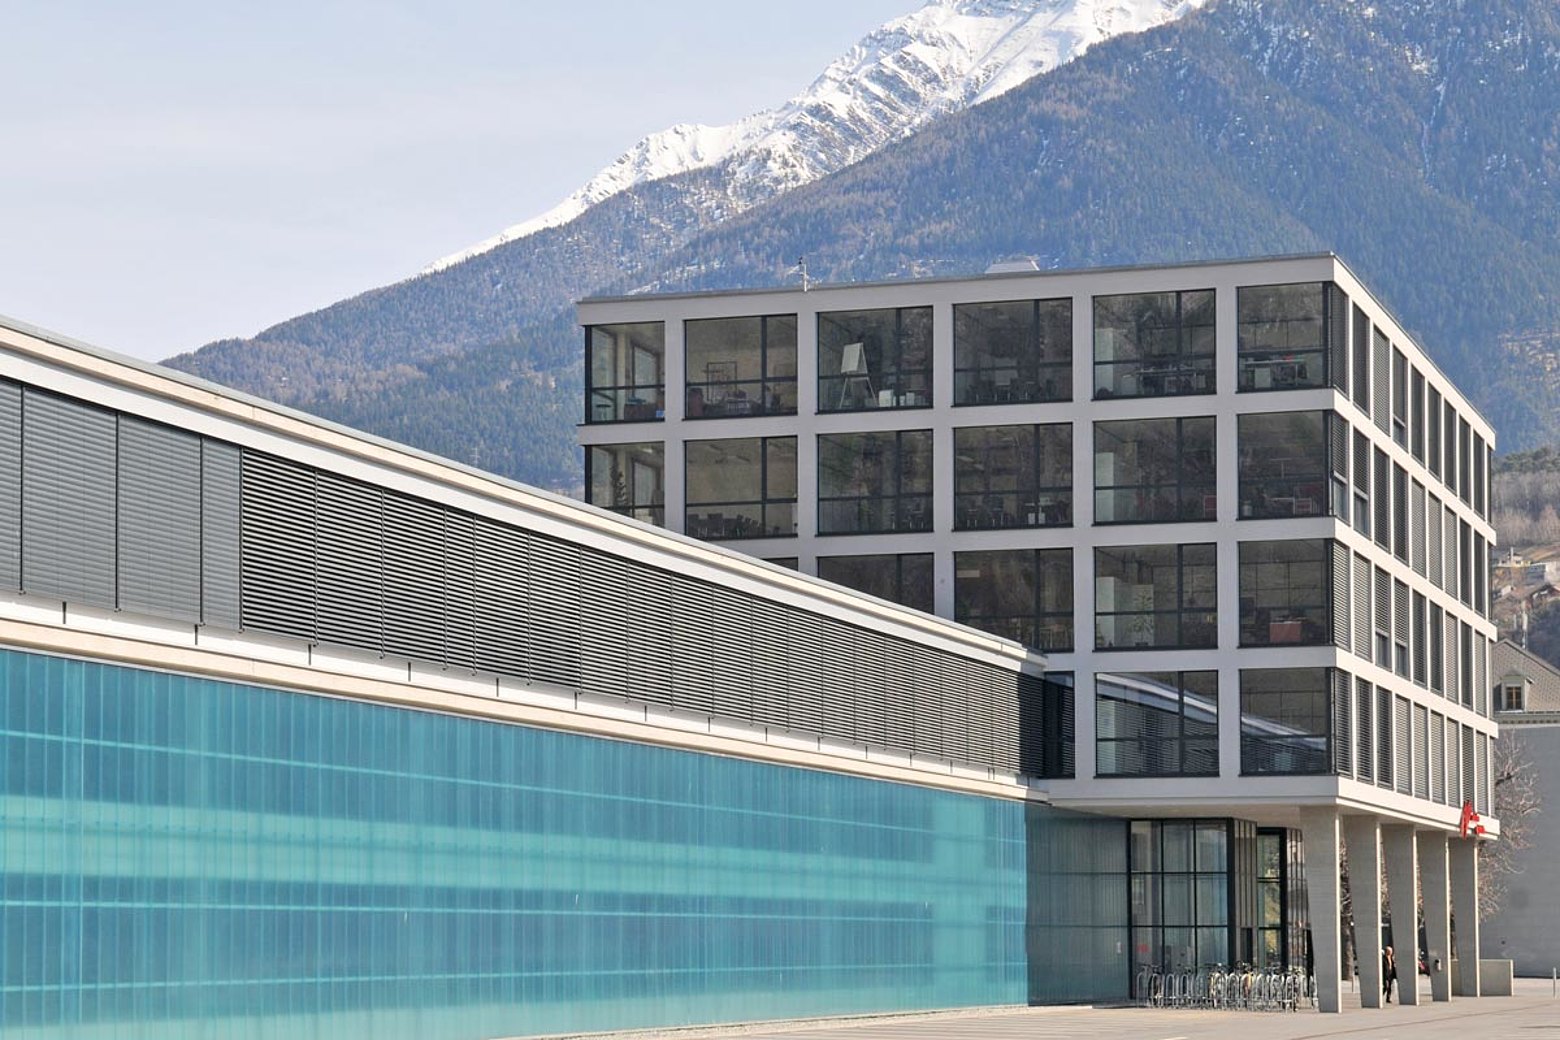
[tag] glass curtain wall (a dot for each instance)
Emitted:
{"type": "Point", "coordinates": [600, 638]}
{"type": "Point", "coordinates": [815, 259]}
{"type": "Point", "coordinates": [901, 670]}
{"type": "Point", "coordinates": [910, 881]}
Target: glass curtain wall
{"type": "Point", "coordinates": [741, 366]}
{"type": "Point", "coordinates": [1285, 593]}
{"type": "Point", "coordinates": [741, 488]}
{"type": "Point", "coordinates": [1285, 335]}
{"type": "Point", "coordinates": [875, 482]}
{"type": "Point", "coordinates": [1284, 721]}
{"type": "Point", "coordinates": [1157, 724]}
{"type": "Point", "coordinates": [628, 479]}
{"type": "Point", "coordinates": [875, 359]}
{"type": "Point", "coordinates": [1012, 476]}
{"type": "Point", "coordinates": [1180, 894]}
{"type": "Point", "coordinates": [905, 578]}
{"type": "Point", "coordinates": [1013, 352]}
{"type": "Point", "coordinates": [1021, 594]}
{"type": "Point", "coordinates": [1154, 471]}
{"type": "Point", "coordinates": [1289, 465]}
{"type": "Point", "coordinates": [1154, 344]}
{"type": "Point", "coordinates": [625, 372]}
{"type": "Point", "coordinates": [1155, 596]}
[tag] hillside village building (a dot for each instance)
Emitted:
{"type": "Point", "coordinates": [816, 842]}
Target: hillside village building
{"type": "Point", "coordinates": [1241, 512]}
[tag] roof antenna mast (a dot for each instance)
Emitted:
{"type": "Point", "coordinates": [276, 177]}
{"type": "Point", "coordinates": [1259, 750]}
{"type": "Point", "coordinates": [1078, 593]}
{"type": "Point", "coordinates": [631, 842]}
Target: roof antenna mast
{"type": "Point", "coordinates": [801, 265]}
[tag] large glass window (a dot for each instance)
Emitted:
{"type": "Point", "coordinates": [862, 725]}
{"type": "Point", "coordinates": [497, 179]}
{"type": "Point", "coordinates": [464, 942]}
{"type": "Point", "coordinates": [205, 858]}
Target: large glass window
{"type": "Point", "coordinates": [625, 372]}
{"type": "Point", "coordinates": [741, 488]}
{"type": "Point", "coordinates": [1155, 596]}
{"type": "Point", "coordinates": [875, 359]}
{"type": "Point", "coordinates": [1154, 344]}
{"type": "Point", "coordinates": [1180, 892]}
{"type": "Point", "coordinates": [1284, 593]}
{"type": "Point", "coordinates": [875, 482]}
{"type": "Point", "coordinates": [628, 479]}
{"type": "Point", "coordinates": [1154, 471]}
{"type": "Point", "coordinates": [1284, 720]}
{"type": "Point", "coordinates": [1022, 594]}
{"type": "Point", "coordinates": [1012, 476]}
{"type": "Point", "coordinates": [1157, 724]}
{"type": "Point", "coordinates": [1012, 352]}
{"type": "Point", "coordinates": [741, 366]}
{"type": "Point", "coordinates": [1287, 462]}
{"type": "Point", "coordinates": [905, 579]}
{"type": "Point", "coordinates": [1284, 334]}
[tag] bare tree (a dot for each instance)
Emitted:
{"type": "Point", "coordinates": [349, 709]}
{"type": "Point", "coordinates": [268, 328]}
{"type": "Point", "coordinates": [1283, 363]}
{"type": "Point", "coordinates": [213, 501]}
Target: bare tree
{"type": "Point", "coordinates": [1517, 801]}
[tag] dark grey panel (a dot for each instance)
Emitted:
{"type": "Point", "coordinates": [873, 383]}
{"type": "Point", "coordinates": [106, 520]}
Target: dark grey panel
{"type": "Point", "coordinates": [809, 650]}
{"type": "Point", "coordinates": [159, 536]}
{"type": "Point", "coordinates": [873, 672]}
{"type": "Point", "coordinates": [693, 639]}
{"type": "Point", "coordinates": [653, 672]}
{"type": "Point", "coordinates": [10, 486]}
{"type": "Point", "coordinates": [277, 563]}
{"type": "Point", "coordinates": [503, 559]}
{"type": "Point", "coordinates": [414, 579]}
{"type": "Point", "coordinates": [68, 482]}
{"type": "Point", "coordinates": [219, 534]}
{"type": "Point", "coordinates": [733, 654]}
{"type": "Point", "coordinates": [460, 591]}
{"type": "Point", "coordinates": [555, 611]}
{"type": "Point", "coordinates": [604, 595]}
{"type": "Point", "coordinates": [771, 662]}
{"type": "Point", "coordinates": [349, 541]}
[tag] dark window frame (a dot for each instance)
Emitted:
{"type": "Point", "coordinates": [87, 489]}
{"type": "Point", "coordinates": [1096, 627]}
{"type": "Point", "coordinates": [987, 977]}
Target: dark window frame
{"type": "Point", "coordinates": [1181, 372]}
{"type": "Point", "coordinates": [608, 399]}
{"type": "Point", "coordinates": [704, 527]}
{"type": "Point", "coordinates": [656, 510]}
{"type": "Point", "coordinates": [897, 370]}
{"type": "Point", "coordinates": [1037, 505]}
{"type": "Point", "coordinates": [1183, 609]}
{"type": "Point", "coordinates": [1033, 380]}
{"type": "Point", "coordinates": [911, 510]}
{"type": "Point", "coordinates": [1183, 490]}
{"type": "Point", "coordinates": [1298, 368]}
{"type": "Point", "coordinates": [767, 401]}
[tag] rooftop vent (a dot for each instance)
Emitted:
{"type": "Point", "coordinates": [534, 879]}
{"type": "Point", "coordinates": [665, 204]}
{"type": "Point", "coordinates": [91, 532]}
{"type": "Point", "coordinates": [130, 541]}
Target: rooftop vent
{"type": "Point", "coordinates": [1013, 265]}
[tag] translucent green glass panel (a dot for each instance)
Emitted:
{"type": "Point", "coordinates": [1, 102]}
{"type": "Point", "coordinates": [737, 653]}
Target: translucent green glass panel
{"type": "Point", "coordinates": [181, 857]}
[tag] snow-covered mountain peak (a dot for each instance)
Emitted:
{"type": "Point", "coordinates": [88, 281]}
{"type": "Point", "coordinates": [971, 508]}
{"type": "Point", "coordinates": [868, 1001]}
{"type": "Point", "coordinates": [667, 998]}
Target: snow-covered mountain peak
{"type": "Point", "coordinates": [944, 56]}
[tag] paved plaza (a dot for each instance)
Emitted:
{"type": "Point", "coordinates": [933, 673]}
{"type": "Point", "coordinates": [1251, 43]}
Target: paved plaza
{"type": "Point", "coordinates": [1531, 1014]}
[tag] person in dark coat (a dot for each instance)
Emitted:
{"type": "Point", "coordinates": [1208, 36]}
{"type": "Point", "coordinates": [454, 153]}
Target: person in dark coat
{"type": "Point", "coordinates": [1388, 973]}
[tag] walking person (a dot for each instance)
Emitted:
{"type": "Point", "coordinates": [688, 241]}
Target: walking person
{"type": "Point", "coordinates": [1388, 973]}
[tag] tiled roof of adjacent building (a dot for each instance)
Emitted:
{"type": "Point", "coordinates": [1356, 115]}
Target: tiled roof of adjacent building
{"type": "Point", "coordinates": [1544, 691]}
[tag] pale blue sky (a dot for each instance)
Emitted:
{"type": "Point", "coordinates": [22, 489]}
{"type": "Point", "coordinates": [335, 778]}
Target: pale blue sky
{"type": "Point", "coordinates": [176, 172]}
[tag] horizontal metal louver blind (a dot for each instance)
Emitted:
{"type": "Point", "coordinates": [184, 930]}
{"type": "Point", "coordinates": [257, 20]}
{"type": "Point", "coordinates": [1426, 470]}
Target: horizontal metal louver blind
{"type": "Point", "coordinates": [68, 495]}
{"type": "Point", "coordinates": [981, 701]}
{"type": "Point", "coordinates": [1361, 607]}
{"type": "Point", "coordinates": [899, 695]}
{"type": "Point", "coordinates": [1419, 532]}
{"type": "Point", "coordinates": [1469, 766]}
{"type": "Point", "coordinates": [349, 539]}
{"type": "Point", "coordinates": [1343, 723]}
{"type": "Point", "coordinates": [733, 654]}
{"type": "Point", "coordinates": [1341, 587]}
{"type": "Point", "coordinates": [872, 678]}
{"type": "Point", "coordinates": [219, 534]}
{"type": "Point", "coordinates": [10, 486]}
{"type": "Point", "coordinates": [277, 547]}
{"type": "Point", "coordinates": [1403, 745]}
{"type": "Point", "coordinates": [955, 708]}
{"type": "Point", "coordinates": [1452, 582]}
{"type": "Point", "coordinates": [1385, 737]}
{"type": "Point", "coordinates": [554, 610]}
{"type": "Point", "coordinates": [1449, 653]}
{"type": "Point", "coordinates": [1338, 445]}
{"type": "Point", "coordinates": [1362, 463]}
{"type": "Point", "coordinates": [605, 584]}
{"type": "Point", "coordinates": [693, 651]}
{"type": "Point", "coordinates": [501, 612]}
{"type": "Point", "coordinates": [839, 686]}
{"type": "Point", "coordinates": [1365, 725]}
{"type": "Point", "coordinates": [1381, 378]}
{"type": "Point", "coordinates": [1338, 338]}
{"type": "Point", "coordinates": [1482, 803]}
{"type": "Point", "coordinates": [658, 633]}
{"type": "Point", "coordinates": [1433, 528]}
{"type": "Point", "coordinates": [1438, 757]}
{"type": "Point", "coordinates": [460, 591]}
{"type": "Point", "coordinates": [158, 538]}
{"type": "Point", "coordinates": [809, 676]}
{"type": "Point", "coordinates": [1064, 711]}
{"type": "Point", "coordinates": [1421, 751]}
{"type": "Point", "coordinates": [1005, 729]}
{"type": "Point", "coordinates": [926, 703]}
{"type": "Point", "coordinates": [1454, 791]}
{"type": "Point", "coordinates": [1400, 615]}
{"type": "Point", "coordinates": [414, 579]}
{"type": "Point", "coordinates": [771, 662]}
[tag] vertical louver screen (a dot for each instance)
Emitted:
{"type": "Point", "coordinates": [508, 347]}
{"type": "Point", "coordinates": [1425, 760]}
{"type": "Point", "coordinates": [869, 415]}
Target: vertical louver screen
{"type": "Point", "coordinates": [1361, 607]}
{"type": "Point", "coordinates": [68, 498]}
{"type": "Point", "coordinates": [1337, 337]}
{"type": "Point", "coordinates": [1438, 757]}
{"type": "Point", "coordinates": [1418, 532]}
{"type": "Point", "coordinates": [1381, 381]}
{"type": "Point", "coordinates": [1385, 737]}
{"type": "Point", "coordinates": [1421, 751]}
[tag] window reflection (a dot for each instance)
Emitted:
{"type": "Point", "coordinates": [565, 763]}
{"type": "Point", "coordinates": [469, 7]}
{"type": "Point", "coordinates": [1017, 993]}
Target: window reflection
{"type": "Point", "coordinates": [1012, 476]}
{"type": "Point", "coordinates": [875, 482]}
{"type": "Point", "coordinates": [741, 366]}
{"type": "Point", "coordinates": [905, 578]}
{"type": "Point", "coordinates": [1284, 593]}
{"type": "Point", "coordinates": [1021, 594]}
{"type": "Point", "coordinates": [1155, 596]}
{"type": "Point", "coordinates": [628, 479]}
{"type": "Point", "coordinates": [1157, 724]}
{"type": "Point", "coordinates": [1154, 344]}
{"type": "Point", "coordinates": [1290, 467]}
{"type": "Point", "coordinates": [1012, 352]}
{"type": "Point", "coordinates": [1154, 471]}
{"type": "Point", "coordinates": [1283, 334]}
{"type": "Point", "coordinates": [741, 488]}
{"type": "Point", "coordinates": [1284, 720]}
{"type": "Point", "coordinates": [625, 372]}
{"type": "Point", "coordinates": [875, 359]}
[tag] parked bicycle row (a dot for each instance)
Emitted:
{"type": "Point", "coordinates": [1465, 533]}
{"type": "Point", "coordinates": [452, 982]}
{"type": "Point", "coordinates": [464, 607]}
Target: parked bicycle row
{"type": "Point", "coordinates": [1239, 988]}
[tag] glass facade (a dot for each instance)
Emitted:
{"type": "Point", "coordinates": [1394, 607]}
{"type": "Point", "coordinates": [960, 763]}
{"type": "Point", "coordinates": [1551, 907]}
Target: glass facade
{"type": "Point", "coordinates": [875, 359]}
{"type": "Point", "coordinates": [905, 578]}
{"type": "Point", "coordinates": [1284, 714]}
{"type": "Point", "coordinates": [1284, 593]}
{"type": "Point", "coordinates": [1013, 352]}
{"type": "Point", "coordinates": [1289, 466]}
{"type": "Point", "coordinates": [628, 479]}
{"type": "Point", "coordinates": [741, 366]}
{"type": "Point", "coordinates": [875, 482]}
{"type": "Point", "coordinates": [1021, 594]}
{"type": "Point", "coordinates": [1182, 893]}
{"type": "Point", "coordinates": [1154, 471]}
{"type": "Point", "coordinates": [1149, 596]}
{"type": "Point", "coordinates": [1283, 334]}
{"type": "Point", "coordinates": [1012, 476]}
{"type": "Point", "coordinates": [741, 488]}
{"type": "Point", "coordinates": [625, 372]}
{"type": "Point", "coordinates": [1154, 344]}
{"type": "Point", "coordinates": [183, 857]}
{"type": "Point", "coordinates": [1157, 724]}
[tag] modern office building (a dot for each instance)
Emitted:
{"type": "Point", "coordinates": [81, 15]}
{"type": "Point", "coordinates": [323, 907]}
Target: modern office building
{"type": "Point", "coordinates": [1525, 927]}
{"type": "Point", "coordinates": [306, 734]}
{"type": "Point", "coordinates": [1242, 513]}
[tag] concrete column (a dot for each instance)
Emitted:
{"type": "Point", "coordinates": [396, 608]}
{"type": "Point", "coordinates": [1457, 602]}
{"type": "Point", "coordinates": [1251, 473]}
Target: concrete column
{"type": "Point", "coordinates": [1320, 832]}
{"type": "Point", "coordinates": [1362, 836]}
{"type": "Point", "coordinates": [1437, 894]}
{"type": "Point", "coordinates": [1464, 856]}
{"type": "Point", "coordinates": [1397, 842]}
